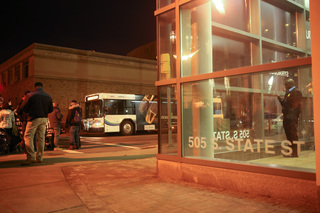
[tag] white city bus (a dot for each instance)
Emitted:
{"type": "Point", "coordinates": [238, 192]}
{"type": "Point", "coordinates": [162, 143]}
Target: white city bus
{"type": "Point", "coordinates": [124, 113]}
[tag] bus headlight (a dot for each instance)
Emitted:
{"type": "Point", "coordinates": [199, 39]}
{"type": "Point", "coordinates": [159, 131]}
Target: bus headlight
{"type": "Point", "coordinates": [97, 124]}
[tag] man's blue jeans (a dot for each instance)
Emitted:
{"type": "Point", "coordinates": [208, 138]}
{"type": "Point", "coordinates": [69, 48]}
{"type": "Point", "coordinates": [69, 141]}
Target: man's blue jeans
{"type": "Point", "coordinates": [74, 136]}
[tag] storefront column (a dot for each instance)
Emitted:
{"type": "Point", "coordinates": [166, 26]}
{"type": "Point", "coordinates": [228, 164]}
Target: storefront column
{"type": "Point", "coordinates": [315, 48]}
{"type": "Point", "coordinates": [197, 59]}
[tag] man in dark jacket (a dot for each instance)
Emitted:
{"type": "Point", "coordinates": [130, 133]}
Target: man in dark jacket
{"type": "Point", "coordinates": [55, 118]}
{"type": "Point", "coordinates": [74, 121]}
{"type": "Point", "coordinates": [291, 106]}
{"type": "Point", "coordinates": [36, 105]}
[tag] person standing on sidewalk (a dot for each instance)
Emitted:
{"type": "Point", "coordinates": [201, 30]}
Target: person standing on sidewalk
{"type": "Point", "coordinates": [73, 120]}
{"type": "Point", "coordinates": [7, 121]}
{"type": "Point", "coordinates": [37, 105]}
{"type": "Point", "coordinates": [55, 118]}
{"type": "Point", "coordinates": [291, 109]}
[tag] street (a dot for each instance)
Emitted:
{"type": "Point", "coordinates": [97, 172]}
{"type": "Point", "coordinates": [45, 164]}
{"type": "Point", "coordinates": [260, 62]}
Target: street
{"type": "Point", "coordinates": [94, 147]}
{"type": "Point", "coordinates": [115, 142]}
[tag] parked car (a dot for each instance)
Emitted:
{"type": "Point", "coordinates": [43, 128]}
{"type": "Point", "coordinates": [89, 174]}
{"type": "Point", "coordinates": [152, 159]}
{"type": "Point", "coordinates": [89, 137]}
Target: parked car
{"type": "Point", "coordinates": [268, 117]}
{"type": "Point", "coordinates": [277, 124]}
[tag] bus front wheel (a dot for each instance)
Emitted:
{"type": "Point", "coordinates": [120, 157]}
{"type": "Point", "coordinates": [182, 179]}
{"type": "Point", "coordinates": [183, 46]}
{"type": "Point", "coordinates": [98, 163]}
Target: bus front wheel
{"type": "Point", "coordinates": [127, 128]}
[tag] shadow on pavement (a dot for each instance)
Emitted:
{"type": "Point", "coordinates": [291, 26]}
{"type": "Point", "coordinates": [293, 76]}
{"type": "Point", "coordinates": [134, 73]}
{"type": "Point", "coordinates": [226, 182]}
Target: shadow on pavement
{"type": "Point", "coordinates": [51, 161]}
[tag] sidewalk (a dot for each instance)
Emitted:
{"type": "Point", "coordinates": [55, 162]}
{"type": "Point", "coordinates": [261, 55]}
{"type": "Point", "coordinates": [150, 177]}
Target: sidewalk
{"type": "Point", "coordinates": [71, 182]}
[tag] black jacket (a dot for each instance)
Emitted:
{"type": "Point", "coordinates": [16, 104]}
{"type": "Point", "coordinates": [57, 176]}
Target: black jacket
{"type": "Point", "coordinates": [291, 104]}
{"type": "Point", "coordinates": [37, 104]}
{"type": "Point", "coordinates": [70, 117]}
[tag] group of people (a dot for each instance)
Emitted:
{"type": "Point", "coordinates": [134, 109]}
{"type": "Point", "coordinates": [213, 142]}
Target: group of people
{"type": "Point", "coordinates": [36, 113]}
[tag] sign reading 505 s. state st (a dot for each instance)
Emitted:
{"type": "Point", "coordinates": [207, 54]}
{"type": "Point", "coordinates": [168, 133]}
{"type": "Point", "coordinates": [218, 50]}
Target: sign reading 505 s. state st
{"type": "Point", "coordinates": [240, 141]}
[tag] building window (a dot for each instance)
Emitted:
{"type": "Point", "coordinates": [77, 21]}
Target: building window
{"type": "Point", "coordinates": [25, 70]}
{"type": "Point", "coordinates": [308, 32]}
{"type": "Point", "coordinates": [196, 39]}
{"type": "Point", "coordinates": [10, 76]}
{"type": "Point", "coordinates": [4, 78]}
{"type": "Point", "coordinates": [168, 120]}
{"type": "Point", "coordinates": [228, 53]}
{"type": "Point", "coordinates": [225, 14]}
{"type": "Point", "coordinates": [278, 25]}
{"type": "Point", "coordinates": [167, 47]}
{"type": "Point", "coordinates": [17, 73]}
{"type": "Point", "coordinates": [163, 3]}
{"type": "Point", "coordinates": [271, 55]}
{"type": "Point", "coordinates": [240, 119]}
{"type": "Point", "coordinates": [237, 117]}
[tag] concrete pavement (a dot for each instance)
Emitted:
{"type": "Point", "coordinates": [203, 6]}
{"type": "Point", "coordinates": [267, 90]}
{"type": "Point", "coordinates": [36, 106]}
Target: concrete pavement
{"type": "Point", "coordinates": [113, 182]}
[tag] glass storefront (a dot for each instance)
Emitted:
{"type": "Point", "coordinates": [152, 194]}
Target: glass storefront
{"type": "Point", "coordinates": [224, 14]}
{"type": "Point", "coordinates": [240, 118]}
{"type": "Point", "coordinates": [163, 3]}
{"type": "Point", "coordinates": [272, 55]}
{"type": "Point", "coordinates": [167, 46]}
{"type": "Point", "coordinates": [168, 120]}
{"type": "Point", "coordinates": [278, 24]}
{"type": "Point", "coordinates": [236, 117]}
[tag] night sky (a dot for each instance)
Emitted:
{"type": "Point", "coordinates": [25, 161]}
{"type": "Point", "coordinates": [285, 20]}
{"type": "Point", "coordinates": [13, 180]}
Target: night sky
{"type": "Point", "coordinates": [108, 26]}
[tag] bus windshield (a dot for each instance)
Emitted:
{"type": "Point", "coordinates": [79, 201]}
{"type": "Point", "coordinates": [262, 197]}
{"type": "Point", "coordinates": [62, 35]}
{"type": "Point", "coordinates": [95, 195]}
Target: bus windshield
{"type": "Point", "coordinates": [93, 109]}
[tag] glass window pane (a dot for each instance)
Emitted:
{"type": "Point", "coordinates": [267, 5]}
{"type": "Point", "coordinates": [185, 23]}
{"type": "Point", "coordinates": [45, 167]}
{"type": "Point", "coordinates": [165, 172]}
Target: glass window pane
{"type": "Point", "coordinates": [229, 52]}
{"type": "Point", "coordinates": [308, 32]}
{"type": "Point", "coordinates": [25, 70]}
{"type": "Point", "coordinates": [206, 49]}
{"type": "Point", "coordinates": [196, 39]}
{"type": "Point", "coordinates": [167, 46]}
{"type": "Point", "coordinates": [168, 120]}
{"type": "Point", "coordinates": [278, 24]}
{"type": "Point", "coordinates": [306, 3]}
{"type": "Point", "coordinates": [17, 73]}
{"type": "Point", "coordinates": [223, 12]}
{"type": "Point", "coordinates": [163, 3]}
{"type": "Point", "coordinates": [10, 76]}
{"type": "Point", "coordinates": [272, 55]}
{"type": "Point", "coordinates": [93, 109]}
{"type": "Point", "coordinates": [240, 119]}
{"type": "Point", "coordinates": [4, 79]}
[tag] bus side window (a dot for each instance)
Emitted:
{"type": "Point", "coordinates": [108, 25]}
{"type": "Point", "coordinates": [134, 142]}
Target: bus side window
{"type": "Point", "coordinates": [120, 104]}
{"type": "Point", "coordinates": [109, 107]}
{"type": "Point", "coordinates": [129, 107]}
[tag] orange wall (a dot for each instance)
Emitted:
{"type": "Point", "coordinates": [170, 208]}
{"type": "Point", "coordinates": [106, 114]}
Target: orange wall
{"type": "Point", "coordinates": [315, 42]}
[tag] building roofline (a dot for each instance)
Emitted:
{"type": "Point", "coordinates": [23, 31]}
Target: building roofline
{"type": "Point", "coordinates": [31, 49]}
{"type": "Point", "coordinates": [91, 53]}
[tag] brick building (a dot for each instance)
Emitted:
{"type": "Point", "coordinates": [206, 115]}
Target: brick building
{"type": "Point", "coordinates": [69, 74]}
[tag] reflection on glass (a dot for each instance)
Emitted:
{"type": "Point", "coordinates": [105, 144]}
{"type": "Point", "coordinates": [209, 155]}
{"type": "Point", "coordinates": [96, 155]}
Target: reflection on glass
{"type": "Point", "coordinates": [205, 50]}
{"type": "Point", "coordinates": [241, 119]}
{"type": "Point", "coordinates": [223, 12]}
{"type": "Point", "coordinates": [278, 24]}
{"type": "Point", "coordinates": [272, 55]}
{"type": "Point", "coordinates": [168, 120]}
{"type": "Point", "coordinates": [196, 37]}
{"type": "Point", "coordinates": [230, 53]}
{"type": "Point", "coordinates": [306, 2]}
{"type": "Point", "coordinates": [163, 3]}
{"type": "Point", "coordinates": [308, 32]}
{"type": "Point", "coordinates": [167, 45]}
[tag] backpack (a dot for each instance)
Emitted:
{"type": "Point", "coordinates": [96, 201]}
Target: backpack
{"type": "Point", "coordinates": [77, 116]}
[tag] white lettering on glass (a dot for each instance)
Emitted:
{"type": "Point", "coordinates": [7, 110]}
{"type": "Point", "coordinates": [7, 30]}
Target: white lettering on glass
{"type": "Point", "coordinates": [244, 144]}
